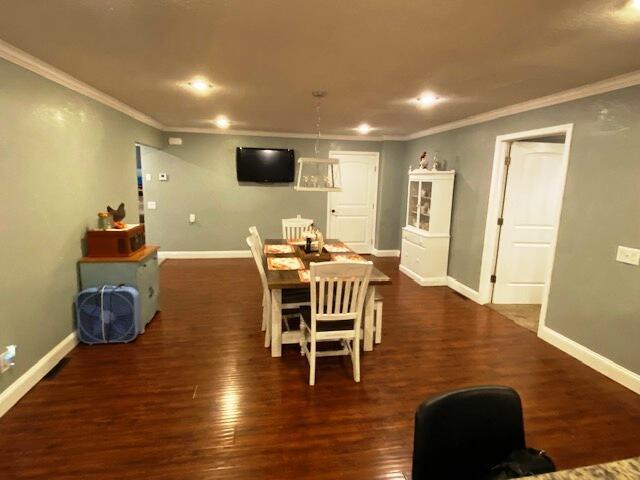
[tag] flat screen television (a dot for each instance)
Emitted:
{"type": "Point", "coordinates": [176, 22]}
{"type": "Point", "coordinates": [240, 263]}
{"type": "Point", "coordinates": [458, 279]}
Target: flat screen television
{"type": "Point", "coordinates": [265, 165]}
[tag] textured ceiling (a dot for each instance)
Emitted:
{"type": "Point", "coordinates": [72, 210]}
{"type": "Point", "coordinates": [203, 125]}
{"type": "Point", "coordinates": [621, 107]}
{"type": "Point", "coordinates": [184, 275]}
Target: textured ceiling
{"type": "Point", "coordinates": [372, 56]}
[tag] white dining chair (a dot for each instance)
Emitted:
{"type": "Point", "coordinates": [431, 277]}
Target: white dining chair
{"type": "Point", "coordinates": [258, 240]}
{"type": "Point", "coordinates": [338, 291]}
{"type": "Point", "coordinates": [293, 228]}
{"type": "Point", "coordinates": [292, 299]}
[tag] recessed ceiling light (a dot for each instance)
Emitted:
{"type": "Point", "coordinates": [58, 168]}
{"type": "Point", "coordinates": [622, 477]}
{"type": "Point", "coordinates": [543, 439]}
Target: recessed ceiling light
{"type": "Point", "coordinates": [427, 99]}
{"type": "Point", "coordinates": [200, 85]}
{"type": "Point", "coordinates": [363, 129]}
{"type": "Point", "coordinates": [635, 4]}
{"type": "Point", "coordinates": [222, 122]}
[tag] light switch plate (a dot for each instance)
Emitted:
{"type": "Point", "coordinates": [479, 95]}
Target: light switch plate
{"type": "Point", "coordinates": [148, 177]}
{"type": "Point", "coordinates": [151, 205]}
{"type": "Point", "coordinates": [163, 177]}
{"type": "Point", "coordinates": [628, 255]}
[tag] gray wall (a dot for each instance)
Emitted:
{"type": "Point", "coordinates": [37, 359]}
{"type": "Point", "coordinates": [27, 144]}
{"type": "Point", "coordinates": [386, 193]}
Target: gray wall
{"type": "Point", "coordinates": [594, 300]}
{"type": "Point", "coordinates": [393, 175]}
{"type": "Point", "coordinates": [63, 157]}
{"type": "Point", "coordinates": [202, 180]}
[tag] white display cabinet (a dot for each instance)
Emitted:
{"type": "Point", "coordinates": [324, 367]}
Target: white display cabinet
{"type": "Point", "coordinates": [425, 237]}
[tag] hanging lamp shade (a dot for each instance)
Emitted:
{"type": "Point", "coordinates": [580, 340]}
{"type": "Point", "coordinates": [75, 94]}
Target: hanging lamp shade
{"type": "Point", "coordinates": [318, 175]}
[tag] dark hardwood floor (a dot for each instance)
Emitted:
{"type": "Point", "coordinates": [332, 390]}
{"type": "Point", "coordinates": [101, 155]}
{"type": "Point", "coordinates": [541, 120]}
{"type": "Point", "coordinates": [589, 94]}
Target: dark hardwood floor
{"type": "Point", "coordinates": [198, 397]}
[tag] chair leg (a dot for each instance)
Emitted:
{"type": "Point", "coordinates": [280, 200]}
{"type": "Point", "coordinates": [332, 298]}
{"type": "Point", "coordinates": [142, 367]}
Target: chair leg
{"type": "Point", "coordinates": [303, 339]}
{"type": "Point", "coordinates": [265, 313]}
{"type": "Point", "coordinates": [266, 322]}
{"type": "Point", "coordinates": [267, 335]}
{"type": "Point", "coordinates": [355, 358]}
{"type": "Point", "coordinates": [312, 363]}
{"type": "Point", "coordinates": [378, 322]}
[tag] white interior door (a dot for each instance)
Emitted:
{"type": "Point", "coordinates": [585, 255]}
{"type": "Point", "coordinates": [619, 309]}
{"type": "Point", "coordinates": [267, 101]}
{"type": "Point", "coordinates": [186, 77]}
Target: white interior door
{"type": "Point", "coordinates": [351, 213]}
{"type": "Point", "coordinates": [531, 200]}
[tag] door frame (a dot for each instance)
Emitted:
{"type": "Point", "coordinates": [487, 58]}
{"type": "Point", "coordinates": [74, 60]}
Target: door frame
{"type": "Point", "coordinates": [374, 223]}
{"type": "Point", "coordinates": [498, 184]}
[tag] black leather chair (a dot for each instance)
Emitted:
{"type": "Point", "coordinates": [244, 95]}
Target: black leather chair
{"type": "Point", "coordinates": [462, 434]}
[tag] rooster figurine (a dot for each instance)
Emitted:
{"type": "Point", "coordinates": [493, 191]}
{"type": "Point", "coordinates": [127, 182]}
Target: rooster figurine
{"type": "Point", "coordinates": [118, 215]}
{"type": "Point", "coordinates": [424, 160]}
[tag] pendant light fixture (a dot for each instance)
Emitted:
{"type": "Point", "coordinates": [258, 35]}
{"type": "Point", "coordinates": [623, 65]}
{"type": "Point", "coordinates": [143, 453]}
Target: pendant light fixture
{"type": "Point", "coordinates": [317, 174]}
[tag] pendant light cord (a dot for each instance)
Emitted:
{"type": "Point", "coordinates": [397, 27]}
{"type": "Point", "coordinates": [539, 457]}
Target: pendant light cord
{"type": "Point", "coordinates": [317, 149]}
{"type": "Point", "coordinates": [319, 95]}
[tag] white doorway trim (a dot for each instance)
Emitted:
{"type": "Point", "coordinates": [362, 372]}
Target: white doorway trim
{"type": "Point", "coordinates": [491, 238]}
{"type": "Point", "coordinates": [376, 157]}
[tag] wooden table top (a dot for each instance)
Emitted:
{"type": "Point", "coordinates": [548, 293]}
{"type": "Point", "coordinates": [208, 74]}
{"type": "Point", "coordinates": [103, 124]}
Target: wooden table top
{"type": "Point", "coordinates": [278, 279]}
{"type": "Point", "coordinates": [135, 257]}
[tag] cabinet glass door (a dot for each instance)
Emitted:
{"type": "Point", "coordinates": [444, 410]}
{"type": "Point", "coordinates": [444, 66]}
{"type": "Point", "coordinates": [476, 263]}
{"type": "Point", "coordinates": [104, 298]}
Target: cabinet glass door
{"type": "Point", "coordinates": [424, 205]}
{"type": "Point", "coordinates": [412, 207]}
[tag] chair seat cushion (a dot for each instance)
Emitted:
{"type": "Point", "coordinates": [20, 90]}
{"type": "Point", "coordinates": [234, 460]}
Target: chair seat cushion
{"type": "Point", "coordinates": [325, 326]}
{"type": "Point", "coordinates": [295, 295]}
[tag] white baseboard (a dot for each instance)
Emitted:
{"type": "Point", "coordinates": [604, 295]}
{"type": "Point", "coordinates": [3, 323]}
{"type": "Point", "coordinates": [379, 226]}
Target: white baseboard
{"type": "Point", "coordinates": [463, 290]}
{"type": "Point", "coordinates": [385, 253]}
{"type": "Point", "coordinates": [424, 281]}
{"type": "Point", "coordinates": [31, 377]}
{"type": "Point", "coordinates": [592, 359]}
{"type": "Point", "coordinates": [206, 254]}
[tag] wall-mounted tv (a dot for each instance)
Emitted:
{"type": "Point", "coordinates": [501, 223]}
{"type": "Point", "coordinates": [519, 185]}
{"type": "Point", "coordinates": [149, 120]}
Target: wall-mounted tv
{"type": "Point", "coordinates": [270, 165]}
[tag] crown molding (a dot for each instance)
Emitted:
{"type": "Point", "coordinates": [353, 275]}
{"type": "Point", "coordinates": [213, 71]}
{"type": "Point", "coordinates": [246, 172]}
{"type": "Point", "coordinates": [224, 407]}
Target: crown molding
{"type": "Point", "coordinates": [614, 83]}
{"type": "Point", "coordinates": [260, 133]}
{"type": "Point", "coordinates": [25, 60]}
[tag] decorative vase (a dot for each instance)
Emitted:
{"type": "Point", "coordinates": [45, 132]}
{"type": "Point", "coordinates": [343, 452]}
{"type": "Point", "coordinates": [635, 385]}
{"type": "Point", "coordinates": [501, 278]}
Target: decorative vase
{"type": "Point", "coordinates": [104, 222]}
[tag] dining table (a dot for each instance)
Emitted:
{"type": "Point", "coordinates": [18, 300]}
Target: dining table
{"type": "Point", "coordinates": [277, 280]}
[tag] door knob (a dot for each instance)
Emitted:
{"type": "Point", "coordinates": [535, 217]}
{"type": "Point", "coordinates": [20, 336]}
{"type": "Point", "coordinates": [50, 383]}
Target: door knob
{"type": "Point", "coordinates": [333, 211]}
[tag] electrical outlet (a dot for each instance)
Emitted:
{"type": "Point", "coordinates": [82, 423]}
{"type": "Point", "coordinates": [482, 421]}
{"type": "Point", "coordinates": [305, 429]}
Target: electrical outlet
{"type": "Point", "coordinates": [8, 358]}
{"type": "Point", "coordinates": [151, 205]}
{"type": "Point", "coordinates": [628, 255]}
{"type": "Point", "coordinates": [163, 177]}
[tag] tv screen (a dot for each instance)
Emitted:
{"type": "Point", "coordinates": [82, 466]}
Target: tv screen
{"type": "Point", "coordinates": [273, 165]}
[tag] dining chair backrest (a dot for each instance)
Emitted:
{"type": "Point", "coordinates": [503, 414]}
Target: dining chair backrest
{"type": "Point", "coordinates": [338, 290]}
{"type": "Point", "coordinates": [257, 257]}
{"type": "Point", "coordinates": [293, 228]}
{"type": "Point", "coordinates": [257, 240]}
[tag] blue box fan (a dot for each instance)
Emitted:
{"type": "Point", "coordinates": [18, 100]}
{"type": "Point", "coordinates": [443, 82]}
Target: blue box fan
{"type": "Point", "coordinates": [108, 314]}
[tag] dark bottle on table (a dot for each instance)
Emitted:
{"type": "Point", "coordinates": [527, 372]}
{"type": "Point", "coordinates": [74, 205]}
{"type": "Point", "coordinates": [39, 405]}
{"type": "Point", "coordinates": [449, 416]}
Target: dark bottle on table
{"type": "Point", "coordinates": [307, 247]}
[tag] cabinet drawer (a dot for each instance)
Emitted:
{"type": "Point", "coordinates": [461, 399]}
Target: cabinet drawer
{"type": "Point", "coordinates": [147, 271]}
{"type": "Point", "coordinates": [149, 266]}
{"type": "Point", "coordinates": [413, 257]}
{"type": "Point", "coordinates": [148, 284]}
{"type": "Point", "coordinates": [149, 299]}
{"type": "Point", "coordinates": [414, 238]}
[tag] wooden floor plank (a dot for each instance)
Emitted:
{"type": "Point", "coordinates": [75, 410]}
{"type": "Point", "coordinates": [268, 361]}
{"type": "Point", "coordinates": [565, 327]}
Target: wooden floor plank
{"type": "Point", "coordinates": [198, 397]}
